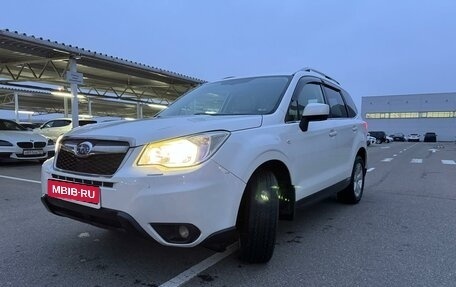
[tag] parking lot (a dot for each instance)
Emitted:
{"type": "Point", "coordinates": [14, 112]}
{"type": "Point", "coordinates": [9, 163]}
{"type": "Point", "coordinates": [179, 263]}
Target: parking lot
{"type": "Point", "coordinates": [401, 234]}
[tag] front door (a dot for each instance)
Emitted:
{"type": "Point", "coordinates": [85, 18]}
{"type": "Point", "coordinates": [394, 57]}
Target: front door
{"type": "Point", "coordinates": [310, 152]}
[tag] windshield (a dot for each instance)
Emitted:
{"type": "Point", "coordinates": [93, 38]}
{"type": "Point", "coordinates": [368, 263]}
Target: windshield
{"type": "Point", "coordinates": [248, 96]}
{"type": "Point", "coordinates": [10, 126]}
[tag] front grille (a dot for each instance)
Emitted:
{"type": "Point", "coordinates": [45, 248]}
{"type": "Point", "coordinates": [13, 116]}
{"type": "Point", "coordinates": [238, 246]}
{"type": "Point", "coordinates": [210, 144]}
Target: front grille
{"type": "Point", "coordinates": [19, 155]}
{"type": "Point", "coordinates": [84, 181]}
{"type": "Point", "coordinates": [25, 144]}
{"type": "Point", "coordinates": [31, 144]}
{"type": "Point", "coordinates": [39, 144]}
{"type": "Point", "coordinates": [100, 162]}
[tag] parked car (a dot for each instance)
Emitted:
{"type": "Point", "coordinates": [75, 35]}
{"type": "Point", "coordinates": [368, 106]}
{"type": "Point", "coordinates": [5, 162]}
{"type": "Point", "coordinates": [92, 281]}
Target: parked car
{"type": "Point", "coordinates": [370, 139]}
{"type": "Point", "coordinates": [224, 161]}
{"type": "Point", "coordinates": [399, 137]}
{"type": "Point", "coordinates": [389, 139]}
{"type": "Point", "coordinates": [56, 127]}
{"type": "Point", "coordinates": [380, 136]}
{"type": "Point", "coordinates": [17, 143]}
{"type": "Point", "coordinates": [430, 137]}
{"type": "Point", "coordinates": [413, 138]}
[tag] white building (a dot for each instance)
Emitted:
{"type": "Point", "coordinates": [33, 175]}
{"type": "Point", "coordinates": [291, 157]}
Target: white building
{"type": "Point", "coordinates": [417, 113]}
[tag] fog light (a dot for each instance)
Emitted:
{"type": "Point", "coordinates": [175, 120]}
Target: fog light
{"type": "Point", "coordinates": [180, 233]}
{"type": "Point", "coordinates": [183, 231]}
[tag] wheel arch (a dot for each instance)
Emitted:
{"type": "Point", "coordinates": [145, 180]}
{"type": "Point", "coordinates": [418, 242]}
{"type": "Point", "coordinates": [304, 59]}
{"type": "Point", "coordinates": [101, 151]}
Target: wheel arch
{"type": "Point", "coordinates": [287, 196]}
{"type": "Point", "coordinates": [362, 152]}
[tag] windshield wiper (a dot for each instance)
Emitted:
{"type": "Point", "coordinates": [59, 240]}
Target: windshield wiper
{"type": "Point", "coordinates": [206, 114]}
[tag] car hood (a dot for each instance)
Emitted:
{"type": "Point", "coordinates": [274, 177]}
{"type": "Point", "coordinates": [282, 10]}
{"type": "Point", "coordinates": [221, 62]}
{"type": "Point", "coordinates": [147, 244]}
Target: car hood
{"type": "Point", "coordinates": [141, 132]}
{"type": "Point", "coordinates": [21, 136]}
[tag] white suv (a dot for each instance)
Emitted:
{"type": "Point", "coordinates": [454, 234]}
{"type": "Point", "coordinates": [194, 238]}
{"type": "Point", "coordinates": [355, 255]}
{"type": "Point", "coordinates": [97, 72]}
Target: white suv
{"type": "Point", "coordinates": [224, 161]}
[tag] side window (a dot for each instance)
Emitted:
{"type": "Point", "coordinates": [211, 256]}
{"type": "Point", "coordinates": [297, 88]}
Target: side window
{"type": "Point", "coordinates": [292, 114]}
{"type": "Point", "coordinates": [351, 107]}
{"type": "Point", "coordinates": [61, 123]}
{"type": "Point", "coordinates": [49, 124]}
{"type": "Point", "coordinates": [304, 94]}
{"type": "Point", "coordinates": [336, 103]}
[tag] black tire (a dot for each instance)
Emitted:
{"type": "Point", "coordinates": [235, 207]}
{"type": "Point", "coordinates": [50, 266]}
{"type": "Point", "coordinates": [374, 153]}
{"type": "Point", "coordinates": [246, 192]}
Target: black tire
{"type": "Point", "coordinates": [377, 141]}
{"type": "Point", "coordinates": [354, 191]}
{"type": "Point", "coordinates": [258, 218]}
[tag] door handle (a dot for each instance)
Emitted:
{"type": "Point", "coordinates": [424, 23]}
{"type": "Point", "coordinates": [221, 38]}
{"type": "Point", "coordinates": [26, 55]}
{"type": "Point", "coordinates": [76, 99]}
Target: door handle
{"type": "Point", "coordinates": [354, 128]}
{"type": "Point", "coordinates": [332, 133]}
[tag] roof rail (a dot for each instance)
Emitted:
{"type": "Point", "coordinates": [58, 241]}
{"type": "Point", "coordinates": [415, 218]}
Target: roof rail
{"type": "Point", "coordinates": [308, 69]}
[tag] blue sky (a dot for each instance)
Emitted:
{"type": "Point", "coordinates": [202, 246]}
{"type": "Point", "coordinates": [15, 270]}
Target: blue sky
{"type": "Point", "coordinates": [372, 47]}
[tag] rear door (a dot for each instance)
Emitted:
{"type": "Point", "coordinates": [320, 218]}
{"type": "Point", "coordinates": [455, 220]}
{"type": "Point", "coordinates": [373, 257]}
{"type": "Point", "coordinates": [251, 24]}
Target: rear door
{"type": "Point", "coordinates": [346, 128]}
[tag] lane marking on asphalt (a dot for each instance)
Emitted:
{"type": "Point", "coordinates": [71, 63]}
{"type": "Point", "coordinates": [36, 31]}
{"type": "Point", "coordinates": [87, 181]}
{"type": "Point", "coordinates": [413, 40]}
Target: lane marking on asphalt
{"type": "Point", "coordinates": [193, 271]}
{"type": "Point", "coordinates": [394, 155]}
{"type": "Point", "coordinates": [19, 179]}
{"type": "Point", "coordinates": [370, 169]}
{"type": "Point", "coordinates": [445, 161]}
{"type": "Point", "coordinates": [387, 159]}
{"type": "Point", "coordinates": [412, 145]}
{"type": "Point", "coordinates": [416, 160]}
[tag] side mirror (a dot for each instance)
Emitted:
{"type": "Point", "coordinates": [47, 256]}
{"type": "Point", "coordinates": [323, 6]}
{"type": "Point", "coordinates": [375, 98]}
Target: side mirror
{"type": "Point", "coordinates": [313, 112]}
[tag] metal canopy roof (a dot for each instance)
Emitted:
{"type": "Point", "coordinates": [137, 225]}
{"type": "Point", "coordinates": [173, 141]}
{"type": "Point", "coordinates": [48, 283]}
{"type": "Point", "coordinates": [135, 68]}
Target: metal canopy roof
{"type": "Point", "coordinates": [29, 62]}
{"type": "Point", "coordinates": [43, 102]}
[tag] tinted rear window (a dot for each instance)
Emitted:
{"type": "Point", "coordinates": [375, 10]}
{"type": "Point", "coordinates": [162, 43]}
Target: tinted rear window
{"type": "Point", "coordinates": [86, 122]}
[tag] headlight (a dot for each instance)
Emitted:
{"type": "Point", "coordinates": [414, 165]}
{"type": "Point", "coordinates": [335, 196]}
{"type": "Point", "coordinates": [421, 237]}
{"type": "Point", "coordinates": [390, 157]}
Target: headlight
{"type": "Point", "coordinates": [182, 152]}
{"type": "Point", "coordinates": [50, 142]}
{"type": "Point", "coordinates": [5, 143]}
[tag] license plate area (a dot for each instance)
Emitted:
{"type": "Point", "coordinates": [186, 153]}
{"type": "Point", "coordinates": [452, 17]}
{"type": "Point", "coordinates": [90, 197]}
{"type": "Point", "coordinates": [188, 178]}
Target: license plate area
{"type": "Point", "coordinates": [88, 195]}
{"type": "Point", "coordinates": [32, 152]}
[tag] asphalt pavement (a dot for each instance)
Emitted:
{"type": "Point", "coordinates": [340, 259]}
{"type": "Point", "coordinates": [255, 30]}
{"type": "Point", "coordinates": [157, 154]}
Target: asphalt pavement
{"type": "Point", "coordinates": [400, 234]}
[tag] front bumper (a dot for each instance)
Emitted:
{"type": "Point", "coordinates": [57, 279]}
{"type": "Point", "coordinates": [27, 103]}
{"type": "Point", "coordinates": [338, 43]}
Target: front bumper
{"type": "Point", "coordinates": [207, 197]}
{"type": "Point", "coordinates": [17, 153]}
{"type": "Point", "coordinates": [103, 217]}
